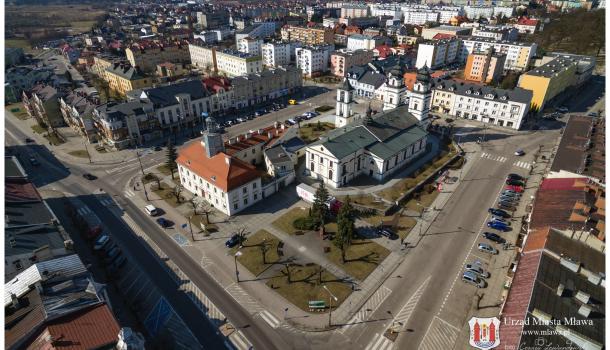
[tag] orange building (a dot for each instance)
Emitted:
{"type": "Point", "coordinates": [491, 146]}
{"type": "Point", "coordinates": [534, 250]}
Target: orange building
{"type": "Point", "coordinates": [484, 67]}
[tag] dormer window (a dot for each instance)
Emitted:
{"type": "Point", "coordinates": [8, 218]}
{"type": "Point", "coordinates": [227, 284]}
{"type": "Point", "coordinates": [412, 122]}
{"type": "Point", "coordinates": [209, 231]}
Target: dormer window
{"type": "Point", "coordinates": [490, 96]}
{"type": "Point", "coordinates": [503, 98]}
{"type": "Point", "coordinates": [476, 93]}
{"type": "Point", "coordinates": [468, 92]}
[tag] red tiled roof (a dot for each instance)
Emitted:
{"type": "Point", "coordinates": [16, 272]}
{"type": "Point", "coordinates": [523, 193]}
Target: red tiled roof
{"type": "Point", "coordinates": [222, 170]}
{"type": "Point", "coordinates": [527, 22]}
{"type": "Point", "coordinates": [564, 184]}
{"type": "Point", "coordinates": [90, 329]}
{"type": "Point", "coordinates": [255, 139]}
{"type": "Point", "coordinates": [440, 36]}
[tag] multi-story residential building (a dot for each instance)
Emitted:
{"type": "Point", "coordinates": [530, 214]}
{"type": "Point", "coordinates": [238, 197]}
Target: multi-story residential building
{"type": "Point", "coordinates": [495, 33]}
{"type": "Point", "coordinates": [77, 110]}
{"type": "Point", "coordinates": [313, 60]}
{"type": "Point", "coordinates": [526, 25]}
{"type": "Point", "coordinates": [500, 107]}
{"type": "Point", "coordinates": [23, 78]}
{"type": "Point", "coordinates": [147, 55]}
{"type": "Point", "coordinates": [42, 104]}
{"type": "Point", "coordinates": [222, 94]}
{"type": "Point", "coordinates": [484, 67]}
{"type": "Point", "coordinates": [207, 36]}
{"type": "Point", "coordinates": [122, 78]}
{"type": "Point", "coordinates": [227, 183]}
{"type": "Point", "coordinates": [476, 12]}
{"type": "Point", "coordinates": [101, 62]}
{"type": "Point", "coordinates": [385, 144]}
{"type": "Point", "coordinates": [308, 35]}
{"type": "Point", "coordinates": [518, 55]}
{"type": "Point", "coordinates": [277, 54]}
{"type": "Point", "coordinates": [446, 13]}
{"type": "Point", "coordinates": [354, 10]}
{"type": "Point", "coordinates": [554, 74]}
{"type": "Point", "coordinates": [252, 89]}
{"type": "Point", "coordinates": [250, 46]}
{"type": "Point", "coordinates": [504, 11]}
{"type": "Point", "coordinates": [121, 125]}
{"type": "Point", "coordinates": [364, 42]}
{"type": "Point", "coordinates": [388, 10]}
{"type": "Point", "coordinates": [342, 60]}
{"type": "Point", "coordinates": [438, 53]}
{"type": "Point", "coordinates": [420, 16]}
{"type": "Point", "coordinates": [232, 63]}
{"type": "Point", "coordinates": [446, 31]}
{"type": "Point", "coordinates": [257, 30]}
{"type": "Point", "coordinates": [213, 19]}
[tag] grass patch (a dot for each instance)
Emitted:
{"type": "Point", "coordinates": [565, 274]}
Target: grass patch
{"type": "Point", "coordinates": [362, 257]}
{"type": "Point", "coordinates": [425, 199]}
{"type": "Point", "coordinates": [312, 131]}
{"type": "Point", "coordinates": [197, 220]}
{"type": "Point", "coordinates": [166, 195]}
{"type": "Point", "coordinates": [18, 111]}
{"type": "Point", "coordinates": [367, 200]}
{"type": "Point", "coordinates": [54, 139]}
{"type": "Point", "coordinates": [38, 129]}
{"type": "Point", "coordinates": [306, 286]}
{"type": "Point", "coordinates": [164, 169]}
{"type": "Point", "coordinates": [81, 153]}
{"type": "Point", "coordinates": [323, 109]}
{"type": "Point", "coordinates": [252, 255]}
{"type": "Point", "coordinates": [18, 43]}
{"type": "Point", "coordinates": [285, 221]}
{"type": "Point", "coordinates": [406, 184]}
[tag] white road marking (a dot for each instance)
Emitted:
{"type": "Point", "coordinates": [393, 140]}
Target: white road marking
{"type": "Point", "coordinates": [123, 167]}
{"type": "Point", "coordinates": [402, 317]}
{"type": "Point", "coordinates": [379, 342]}
{"type": "Point", "coordinates": [244, 299]}
{"type": "Point", "coordinates": [239, 341]}
{"type": "Point", "coordinates": [441, 335]}
{"type": "Point", "coordinates": [129, 193]}
{"type": "Point", "coordinates": [368, 308]}
{"type": "Point", "coordinates": [522, 164]}
{"type": "Point", "coordinates": [269, 318]}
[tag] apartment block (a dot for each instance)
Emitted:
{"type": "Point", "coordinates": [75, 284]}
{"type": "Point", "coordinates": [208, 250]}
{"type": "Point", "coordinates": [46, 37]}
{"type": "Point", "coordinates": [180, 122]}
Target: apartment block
{"type": "Point", "coordinates": [354, 10]}
{"type": "Point", "coordinates": [231, 62]}
{"type": "Point", "coordinates": [445, 31]}
{"type": "Point", "coordinates": [518, 55]}
{"type": "Point", "coordinates": [313, 60]}
{"type": "Point", "coordinates": [277, 54]}
{"type": "Point", "coordinates": [342, 60]}
{"type": "Point", "coordinates": [250, 46]}
{"type": "Point", "coordinates": [147, 55]}
{"type": "Point", "coordinates": [364, 42]}
{"type": "Point", "coordinates": [122, 78]}
{"type": "Point", "coordinates": [308, 35]}
{"type": "Point", "coordinates": [252, 89]}
{"type": "Point", "coordinates": [438, 53]}
{"type": "Point", "coordinates": [484, 67]}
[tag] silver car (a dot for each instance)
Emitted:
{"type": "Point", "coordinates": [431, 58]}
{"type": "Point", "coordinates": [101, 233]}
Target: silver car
{"type": "Point", "coordinates": [478, 270]}
{"type": "Point", "coordinates": [486, 248]}
{"type": "Point", "coordinates": [472, 278]}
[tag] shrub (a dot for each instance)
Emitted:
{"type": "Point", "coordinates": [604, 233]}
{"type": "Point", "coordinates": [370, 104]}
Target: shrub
{"type": "Point", "coordinates": [305, 223]}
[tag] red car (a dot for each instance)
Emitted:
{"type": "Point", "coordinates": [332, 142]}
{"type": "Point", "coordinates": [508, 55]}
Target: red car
{"type": "Point", "coordinates": [93, 232]}
{"type": "Point", "coordinates": [514, 188]}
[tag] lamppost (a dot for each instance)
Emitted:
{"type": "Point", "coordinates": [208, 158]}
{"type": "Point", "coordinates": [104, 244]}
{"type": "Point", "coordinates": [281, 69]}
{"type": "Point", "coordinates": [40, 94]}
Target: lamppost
{"type": "Point", "coordinates": [87, 150]}
{"type": "Point", "coordinates": [422, 218]}
{"type": "Point", "coordinates": [238, 253]}
{"type": "Point", "coordinates": [142, 169]}
{"type": "Point", "coordinates": [191, 228]}
{"type": "Point", "coordinates": [330, 304]}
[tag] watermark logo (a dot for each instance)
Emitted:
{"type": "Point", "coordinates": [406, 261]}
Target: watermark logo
{"type": "Point", "coordinates": [484, 332]}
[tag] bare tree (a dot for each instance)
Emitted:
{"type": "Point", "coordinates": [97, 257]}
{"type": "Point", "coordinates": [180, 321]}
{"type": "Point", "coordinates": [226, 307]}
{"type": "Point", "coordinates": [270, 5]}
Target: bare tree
{"type": "Point", "coordinates": [177, 192]}
{"type": "Point", "coordinates": [242, 232]}
{"type": "Point", "coordinates": [206, 209]}
{"type": "Point", "coordinates": [154, 178]}
{"type": "Point", "coordinates": [196, 203]}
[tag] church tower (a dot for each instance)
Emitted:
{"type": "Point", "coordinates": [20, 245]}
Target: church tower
{"type": "Point", "coordinates": [419, 98]}
{"type": "Point", "coordinates": [343, 112]}
{"type": "Point", "coordinates": [394, 91]}
{"type": "Point", "coordinates": [212, 140]}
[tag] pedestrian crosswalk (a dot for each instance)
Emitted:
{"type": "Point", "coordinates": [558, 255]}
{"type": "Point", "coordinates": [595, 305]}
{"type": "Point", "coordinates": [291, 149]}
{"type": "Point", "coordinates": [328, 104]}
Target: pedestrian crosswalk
{"type": "Point", "coordinates": [244, 299]}
{"type": "Point", "coordinates": [497, 158]}
{"type": "Point", "coordinates": [522, 164]}
{"type": "Point", "coordinates": [440, 335]}
{"type": "Point", "coordinates": [380, 342]}
{"type": "Point", "coordinates": [129, 193]}
{"type": "Point", "coordinates": [269, 318]}
{"type": "Point", "coordinates": [367, 309]}
{"type": "Point", "coordinates": [402, 317]}
{"type": "Point", "coordinates": [239, 341]}
{"type": "Point", "coordinates": [106, 202]}
{"type": "Point", "coordinates": [84, 210]}
{"type": "Point", "coordinates": [129, 165]}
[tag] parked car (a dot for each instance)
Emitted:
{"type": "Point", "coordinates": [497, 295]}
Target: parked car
{"type": "Point", "coordinates": [513, 176]}
{"type": "Point", "coordinates": [112, 253]}
{"type": "Point", "coordinates": [477, 269]}
{"type": "Point", "coordinates": [163, 222]}
{"type": "Point", "coordinates": [506, 206]}
{"type": "Point", "coordinates": [496, 225]}
{"type": "Point", "coordinates": [494, 237]}
{"type": "Point", "coordinates": [101, 242]}
{"type": "Point", "coordinates": [34, 161]}
{"type": "Point", "coordinates": [158, 148]}
{"type": "Point", "coordinates": [498, 212]}
{"type": "Point", "coordinates": [501, 220]}
{"type": "Point", "coordinates": [386, 232]}
{"type": "Point", "coordinates": [593, 114]}
{"type": "Point", "coordinates": [508, 199]}
{"type": "Point", "coordinates": [241, 119]}
{"type": "Point", "coordinates": [486, 248]}
{"type": "Point", "coordinates": [233, 241]}
{"type": "Point", "coordinates": [472, 278]}
{"type": "Point", "coordinates": [291, 121]}
{"type": "Point", "coordinates": [515, 183]}
{"type": "Point", "coordinates": [117, 263]}
{"type": "Point", "coordinates": [514, 188]}
{"type": "Point", "coordinates": [509, 194]}
{"type": "Point", "coordinates": [563, 109]}
{"type": "Point", "coordinates": [28, 140]}
{"type": "Point", "coordinates": [93, 232]}
{"type": "Point", "coordinates": [89, 177]}
{"type": "Point", "coordinates": [519, 152]}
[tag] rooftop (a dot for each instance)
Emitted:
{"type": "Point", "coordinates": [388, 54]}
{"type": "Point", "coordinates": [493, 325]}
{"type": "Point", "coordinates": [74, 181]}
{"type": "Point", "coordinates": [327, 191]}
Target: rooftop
{"type": "Point", "coordinates": [164, 96]}
{"type": "Point", "coordinates": [125, 71]}
{"type": "Point", "coordinates": [12, 167]}
{"type": "Point", "coordinates": [488, 92]}
{"type": "Point", "coordinates": [26, 240]}
{"type": "Point", "coordinates": [264, 136]}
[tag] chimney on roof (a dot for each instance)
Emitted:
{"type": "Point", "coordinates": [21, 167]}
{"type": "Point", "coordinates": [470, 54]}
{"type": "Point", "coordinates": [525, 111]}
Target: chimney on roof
{"type": "Point", "coordinates": [248, 135]}
{"type": "Point", "coordinates": [270, 135]}
{"type": "Point", "coordinates": [228, 160]}
{"type": "Point", "coordinates": [14, 301]}
{"type": "Point", "coordinates": [261, 131]}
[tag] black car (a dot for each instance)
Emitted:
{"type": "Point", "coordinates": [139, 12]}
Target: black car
{"type": "Point", "coordinates": [514, 182]}
{"type": "Point", "coordinates": [233, 241]}
{"type": "Point", "coordinates": [506, 206]}
{"type": "Point", "coordinates": [386, 232]}
{"type": "Point", "coordinates": [494, 237]}
{"type": "Point", "coordinates": [498, 212]}
{"type": "Point", "coordinates": [28, 140]}
{"type": "Point", "coordinates": [163, 222]}
{"type": "Point", "coordinates": [89, 177]}
{"type": "Point", "coordinates": [515, 177]}
{"type": "Point", "coordinates": [158, 148]}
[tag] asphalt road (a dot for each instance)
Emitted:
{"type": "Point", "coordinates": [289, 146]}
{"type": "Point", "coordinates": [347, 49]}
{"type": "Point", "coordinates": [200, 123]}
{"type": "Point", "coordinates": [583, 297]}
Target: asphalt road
{"type": "Point", "coordinates": [70, 181]}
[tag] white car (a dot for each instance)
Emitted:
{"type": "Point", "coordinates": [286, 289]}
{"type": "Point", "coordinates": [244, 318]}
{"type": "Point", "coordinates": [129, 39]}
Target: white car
{"type": "Point", "coordinates": [519, 152]}
{"type": "Point", "coordinates": [101, 242]}
{"type": "Point", "coordinates": [486, 248]}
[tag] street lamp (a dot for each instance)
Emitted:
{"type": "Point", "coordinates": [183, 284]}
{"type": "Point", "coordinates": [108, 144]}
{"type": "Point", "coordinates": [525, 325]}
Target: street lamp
{"type": "Point", "coordinates": [238, 253]}
{"type": "Point", "coordinates": [330, 304]}
{"type": "Point", "coordinates": [87, 149]}
{"type": "Point", "coordinates": [141, 169]}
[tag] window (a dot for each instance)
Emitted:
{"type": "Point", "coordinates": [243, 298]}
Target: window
{"type": "Point", "coordinates": [253, 151]}
{"type": "Point", "coordinates": [330, 174]}
{"type": "Point", "coordinates": [254, 185]}
{"type": "Point", "coordinates": [235, 205]}
{"type": "Point", "coordinates": [245, 201]}
{"type": "Point", "coordinates": [245, 190]}
{"type": "Point", "coordinates": [312, 166]}
{"type": "Point", "coordinates": [255, 196]}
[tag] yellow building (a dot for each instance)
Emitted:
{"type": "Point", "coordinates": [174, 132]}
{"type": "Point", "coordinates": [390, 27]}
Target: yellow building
{"type": "Point", "coordinates": [122, 78]}
{"type": "Point", "coordinates": [556, 73]}
{"type": "Point", "coordinates": [308, 35]}
{"type": "Point", "coordinates": [147, 55]}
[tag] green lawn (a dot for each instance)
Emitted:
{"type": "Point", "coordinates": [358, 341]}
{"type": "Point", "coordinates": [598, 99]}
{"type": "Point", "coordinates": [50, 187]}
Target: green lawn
{"type": "Point", "coordinates": [164, 169]}
{"type": "Point", "coordinates": [38, 129]}
{"type": "Point", "coordinates": [285, 221]}
{"type": "Point", "coordinates": [81, 153]}
{"type": "Point", "coordinates": [165, 194]}
{"type": "Point", "coordinates": [366, 200]}
{"type": "Point", "coordinates": [306, 286]}
{"type": "Point", "coordinates": [252, 253]}
{"type": "Point", "coordinates": [425, 199]}
{"type": "Point", "coordinates": [403, 225]}
{"type": "Point", "coordinates": [18, 43]}
{"type": "Point", "coordinates": [18, 111]}
{"type": "Point", "coordinates": [362, 257]}
{"type": "Point", "coordinates": [312, 131]}
{"type": "Point", "coordinates": [53, 139]}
